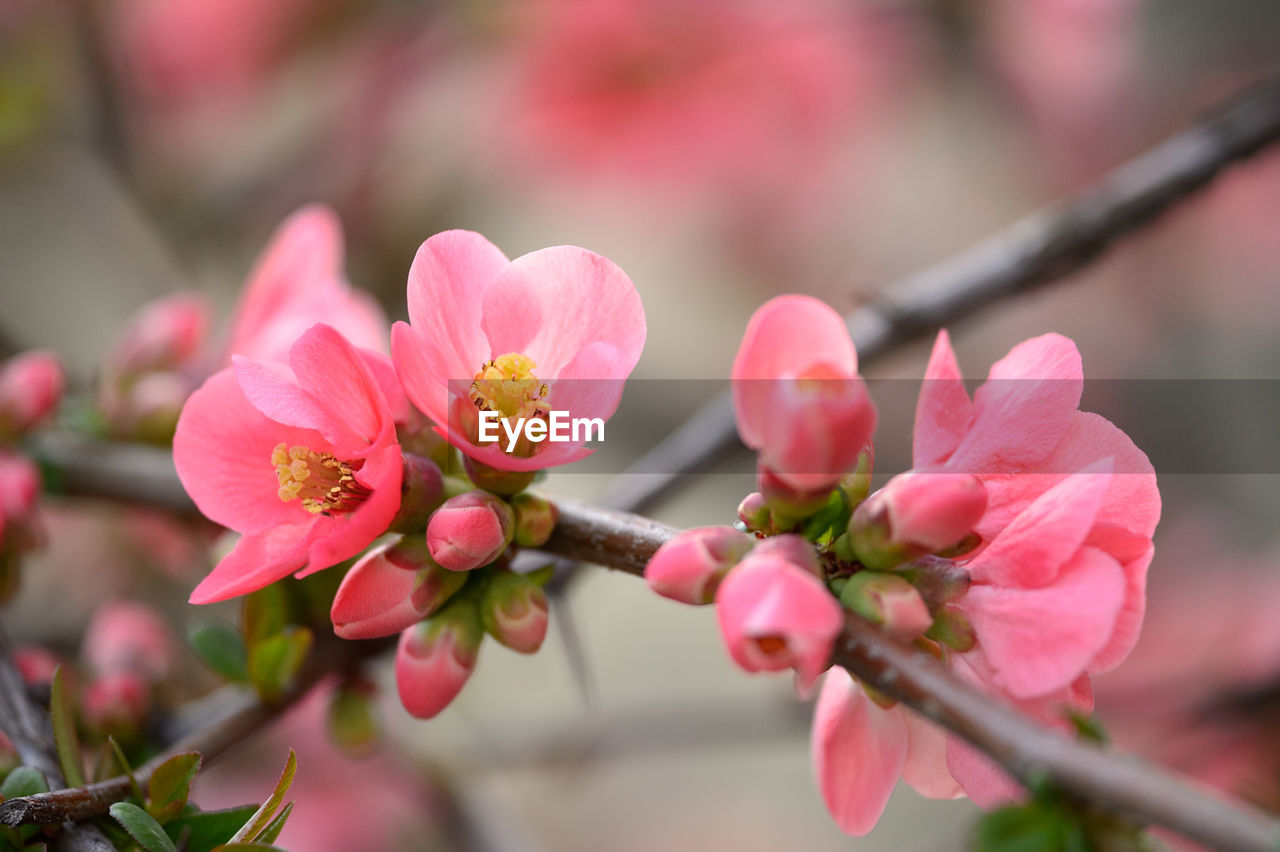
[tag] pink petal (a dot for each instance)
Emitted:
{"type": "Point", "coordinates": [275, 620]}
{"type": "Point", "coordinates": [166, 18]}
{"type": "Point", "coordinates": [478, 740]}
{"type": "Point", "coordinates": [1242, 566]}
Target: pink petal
{"type": "Point", "coordinates": [337, 376]}
{"type": "Point", "coordinates": [417, 373]}
{"type": "Point", "coordinates": [580, 388]}
{"type": "Point", "coordinates": [925, 768]}
{"type": "Point", "coordinates": [1042, 639]}
{"type": "Point", "coordinates": [258, 560]}
{"type": "Point", "coordinates": [859, 750]}
{"type": "Point", "coordinates": [274, 391]}
{"type": "Point", "coordinates": [1129, 621]}
{"type": "Point", "coordinates": [981, 778]}
{"type": "Point", "coordinates": [944, 412]}
{"type": "Point", "coordinates": [550, 304]}
{"type": "Point", "coordinates": [1024, 408]}
{"type": "Point", "coordinates": [384, 373]}
{"type": "Point", "coordinates": [1029, 551]}
{"type": "Point", "coordinates": [222, 450]}
{"type": "Point", "coordinates": [785, 337]}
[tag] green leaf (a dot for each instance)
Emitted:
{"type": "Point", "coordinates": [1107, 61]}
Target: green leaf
{"type": "Point", "coordinates": [64, 732]}
{"type": "Point", "coordinates": [1088, 728]}
{"type": "Point", "coordinates": [142, 828]}
{"type": "Point", "coordinates": [829, 521]}
{"type": "Point", "coordinates": [1037, 827]}
{"type": "Point", "coordinates": [170, 785]}
{"type": "Point", "coordinates": [274, 662]}
{"type": "Point", "coordinates": [272, 831]}
{"type": "Point", "coordinates": [218, 645]}
{"type": "Point", "coordinates": [125, 767]}
{"type": "Point", "coordinates": [260, 820]}
{"type": "Point", "coordinates": [266, 612]}
{"type": "Point", "coordinates": [209, 829]}
{"type": "Point", "coordinates": [353, 720]}
{"type": "Point", "coordinates": [23, 781]}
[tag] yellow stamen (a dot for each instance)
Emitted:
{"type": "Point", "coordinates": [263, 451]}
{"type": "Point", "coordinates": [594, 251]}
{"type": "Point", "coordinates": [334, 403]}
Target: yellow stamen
{"type": "Point", "coordinates": [507, 385]}
{"type": "Point", "coordinates": [324, 483]}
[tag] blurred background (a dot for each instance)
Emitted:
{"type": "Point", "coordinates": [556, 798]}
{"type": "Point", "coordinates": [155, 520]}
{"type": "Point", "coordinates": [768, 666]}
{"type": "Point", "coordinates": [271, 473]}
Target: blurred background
{"type": "Point", "coordinates": [720, 151]}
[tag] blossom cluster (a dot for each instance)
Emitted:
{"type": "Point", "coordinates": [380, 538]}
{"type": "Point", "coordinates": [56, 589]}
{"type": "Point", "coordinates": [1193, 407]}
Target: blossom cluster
{"type": "Point", "coordinates": [1015, 550]}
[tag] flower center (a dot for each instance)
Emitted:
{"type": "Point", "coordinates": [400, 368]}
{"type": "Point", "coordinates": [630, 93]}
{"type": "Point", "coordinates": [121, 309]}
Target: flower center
{"type": "Point", "coordinates": [771, 646]}
{"type": "Point", "coordinates": [325, 484]}
{"type": "Point", "coordinates": [508, 386]}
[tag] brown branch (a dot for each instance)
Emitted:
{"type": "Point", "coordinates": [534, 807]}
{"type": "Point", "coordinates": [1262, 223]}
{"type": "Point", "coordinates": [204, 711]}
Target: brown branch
{"type": "Point", "coordinates": [1044, 247]}
{"type": "Point", "coordinates": [1028, 751]}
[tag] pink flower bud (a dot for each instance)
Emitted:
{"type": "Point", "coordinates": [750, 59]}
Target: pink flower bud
{"type": "Point", "coordinates": [21, 491]}
{"type": "Point", "coordinates": [391, 588]}
{"type": "Point", "coordinates": [163, 335]}
{"type": "Point", "coordinates": [888, 600]}
{"type": "Point", "coordinates": [775, 615]}
{"type": "Point", "coordinates": [127, 637]}
{"type": "Point", "coordinates": [37, 664]}
{"type": "Point", "coordinates": [914, 514]}
{"type": "Point", "coordinates": [535, 519]}
{"type": "Point", "coordinates": [796, 549]}
{"type": "Point", "coordinates": [30, 389]}
{"type": "Point", "coordinates": [421, 493]}
{"type": "Point", "coordinates": [435, 658]}
{"type": "Point", "coordinates": [754, 513]}
{"type": "Point", "coordinates": [117, 704]}
{"type": "Point", "coordinates": [514, 611]}
{"type": "Point", "coordinates": [689, 567]}
{"type": "Point", "coordinates": [470, 530]}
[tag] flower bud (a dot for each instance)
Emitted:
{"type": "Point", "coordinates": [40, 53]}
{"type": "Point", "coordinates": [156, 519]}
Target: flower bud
{"type": "Point", "coordinates": [391, 588]}
{"type": "Point", "coordinates": [857, 484]}
{"type": "Point", "coordinates": [163, 335]}
{"type": "Point", "coordinates": [775, 615]}
{"type": "Point", "coordinates": [504, 482]}
{"type": "Point", "coordinates": [148, 410]}
{"type": "Point", "coordinates": [689, 567]}
{"type": "Point", "coordinates": [796, 549]}
{"type": "Point", "coordinates": [514, 611]}
{"type": "Point", "coordinates": [754, 513]}
{"type": "Point", "coordinates": [37, 665]}
{"type": "Point", "coordinates": [953, 629]}
{"type": "Point", "coordinates": [421, 493]}
{"type": "Point", "coordinates": [435, 658]}
{"type": "Point", "coordinates": [30, 389]}
{"type": "Point", "coordinates": [535, 519]}
{"type": "Point", "coordinates": [117, 704]}
{"type": "Point", "coordinates": [916, 513]}
{"type": "Point", "coordinates": [789, 505]}
{"type": "Point", "coordinates": [128, 637]}
{"type": "Point", "coordinates": [889, 601]}
{"type": "Point", "coordinates": [470, 530]}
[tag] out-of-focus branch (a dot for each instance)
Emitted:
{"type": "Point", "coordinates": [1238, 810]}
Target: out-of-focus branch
{"type": "Point", "coordinates": [1044, 247]}
{"type": "Point", "coordinates": [1028, 751]}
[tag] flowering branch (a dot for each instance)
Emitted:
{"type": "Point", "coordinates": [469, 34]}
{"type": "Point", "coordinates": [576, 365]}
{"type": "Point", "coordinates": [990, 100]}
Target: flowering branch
{"type": "Point", "coordinates": [1029, 752]}
{"type": "Point", "coordinates": [1046, 246]}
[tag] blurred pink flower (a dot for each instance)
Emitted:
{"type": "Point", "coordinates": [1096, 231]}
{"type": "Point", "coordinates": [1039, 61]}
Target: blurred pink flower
{"type": "Point", "coordinates": [126, 636]}
{"type": "Point", "coordinates": [166, 334]}
{"type": "Point", "coordinates": [303, 461]}
{"type": "Point", "coordinates": [798, 398]}
{"type": "Point", "coordinates": [558, 329]}
{"type": "Point", "coordinates": [30, 390]}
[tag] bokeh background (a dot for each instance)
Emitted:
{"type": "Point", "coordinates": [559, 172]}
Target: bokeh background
{"type": "Point", "coordinates": [721, 151]}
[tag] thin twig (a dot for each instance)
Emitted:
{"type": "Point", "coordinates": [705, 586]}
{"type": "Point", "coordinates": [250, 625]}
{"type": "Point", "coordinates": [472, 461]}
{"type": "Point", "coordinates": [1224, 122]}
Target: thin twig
{"type": "Point", "coordinates": [1044, 247]}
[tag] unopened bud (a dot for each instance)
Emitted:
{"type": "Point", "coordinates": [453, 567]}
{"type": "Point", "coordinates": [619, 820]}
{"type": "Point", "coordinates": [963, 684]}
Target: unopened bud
{"type": "Point", "coordinates": [689, 567]}
{"type": "Point", "coordinates": [470, 530]}
{"type": "Point", "coordinates": [535, 519]}
{"type": "Point", "coordinates": [857, 485]}
{"type": "Point", "coordinates": [37, 665]}
{"type": "Point", "coordinates": [952, 628]}
{"type": "Point", "coordinates": [504, 482]}
{"type": "Point", "coordinates": [163, 335]}
{"type": "Point", "coordinates": [754, 513]}
{"type": "Point", "coordinates": [889, 601]}
{"type": "Point", "coordinates": [391, 588]}
{"type": "Point", "coordinates": [435, 658]}
{"type": "Point", "coordinates": [916, 514]}
{"type": "Point", "coordinates": [117, 705]}
{"type": "Point", "coordinates": [514, 612]}
{"type": "Point", "coordinates": [125, 636]}
{"type": "Point", "coordinates": [30, 389]}
{"type": "Point", "coordinates": [421, 493]}
{"type": "Point", "coordinates": [796, 549]}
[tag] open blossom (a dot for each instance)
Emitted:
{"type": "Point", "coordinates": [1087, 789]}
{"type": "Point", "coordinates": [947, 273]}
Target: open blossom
{"type": "Point", "coordinates": [797, 395]}
{"type": "Point", "coordinates": [558, 329]}
{"type": "Point", "coordinates": [303, 462]}
{"type": "Point", "coordinates": [297, 282]}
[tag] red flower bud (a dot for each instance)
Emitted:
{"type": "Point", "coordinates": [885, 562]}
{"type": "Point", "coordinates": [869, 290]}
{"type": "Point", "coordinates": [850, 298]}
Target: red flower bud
{"type": "Point", "coordinates": [470, 530]}
{"type": "Point", "coordinates": [435, 658]}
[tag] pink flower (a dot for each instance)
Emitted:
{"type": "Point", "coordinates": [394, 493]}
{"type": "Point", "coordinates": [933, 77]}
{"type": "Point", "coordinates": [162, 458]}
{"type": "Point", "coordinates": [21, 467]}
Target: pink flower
{"type": "Point", "coordinates": [861, 748]}
{"type": "Point", "coordinates": [435, 658]}
{"type": "Point", "coordinates": [797, 395]}
{"type": "Point", "coordinates": [556, 330]}
{"type": "Point", "coordinates": [470, 530]}
{"type": "Point", "coordinates": [125, 636]}
{"type": "Point", "coordinates": [165, 334]}
{"type": "Point", "coordinates": [303, 462]}
{"type": "Point", "coordinates": [689, 567]}
{"type": "Point", "coordinates": [775, 615]}
{"type": "Point", "coordinates": [30, 390]}
{"type": "Point", "coordinates": [298, 282]}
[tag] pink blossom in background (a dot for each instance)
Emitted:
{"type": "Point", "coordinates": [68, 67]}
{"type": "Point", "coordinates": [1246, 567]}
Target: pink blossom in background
{"type": "Point", "coordinates": [798, 398]}
{"type": "Point", "coordinates": [31, 386]}
{"type": "Point", "coordinates": [556, 329]}
{"type": "Point", "coordinates": [126, 636]}
{"type": "Point", "coordinates": [297, 282]}
{"type": "Point", "coordinates": [302, 461]}
{"type": "Point", "coordinates": [734, 97]}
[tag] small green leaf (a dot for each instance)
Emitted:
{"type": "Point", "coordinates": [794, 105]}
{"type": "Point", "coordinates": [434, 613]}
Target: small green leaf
{"type": "Point", "coordinates": [125, 767]}
{"type": "Point", "coordinates": [142, 828]}
{"type": "Point", "coordinates": [218, 645]}
{"type": "Point", "coordinates": [262, 817]}
{"type": "Point", "coordinates": [23, 781]}
{"type": "Point", "coordinates": [274, 662]}
{"type": "Point", "coordinates": [1088, 728]}
{"type": "Point", "coordinates": [353, 720]}
{"type": "Point", "coordinates": [170, 785]}
{"type": "Point", "coordinates": [829, 521]}
{"type": "Point", "coordinates": [266, 612]}
{"type": "Point", "coordinates": [209, 828]}
{"type": "Point", "coordinates": [272, 831]}
{"type": "Point", "coordinates": [64, 732]}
